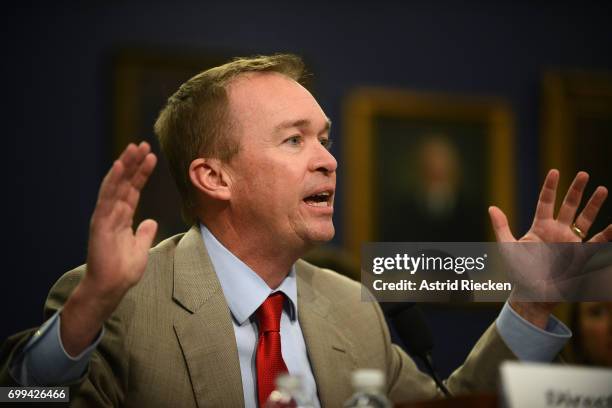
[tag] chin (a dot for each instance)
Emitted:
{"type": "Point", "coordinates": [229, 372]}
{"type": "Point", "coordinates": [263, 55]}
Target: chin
{"type": "Point", "coordinates": [321, 235]}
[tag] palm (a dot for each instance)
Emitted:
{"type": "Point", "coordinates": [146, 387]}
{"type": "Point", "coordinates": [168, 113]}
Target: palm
{"type": "Point", "coordinates": [127, 261]}
{"type": "Point", "coordinates": [549, 231]}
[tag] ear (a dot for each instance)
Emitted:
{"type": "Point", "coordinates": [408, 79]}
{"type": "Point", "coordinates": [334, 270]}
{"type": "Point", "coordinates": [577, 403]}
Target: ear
{"type": "Point", "coordinates": [210, 177]}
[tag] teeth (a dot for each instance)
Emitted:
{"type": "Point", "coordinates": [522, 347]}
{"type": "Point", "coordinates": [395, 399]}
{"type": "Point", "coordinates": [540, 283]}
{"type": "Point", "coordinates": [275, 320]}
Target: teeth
{"type": "Point", "coordinates": [322, 194]}
{"type": "Point", "coordinates": [321, 199]}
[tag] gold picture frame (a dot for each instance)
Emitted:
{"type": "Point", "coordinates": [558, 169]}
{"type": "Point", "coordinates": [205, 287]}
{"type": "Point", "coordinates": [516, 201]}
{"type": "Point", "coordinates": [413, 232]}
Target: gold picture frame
{"type": "Point", "coordinates": [406, 113]}
{"type": "Point", "coordinates": [577, 130]}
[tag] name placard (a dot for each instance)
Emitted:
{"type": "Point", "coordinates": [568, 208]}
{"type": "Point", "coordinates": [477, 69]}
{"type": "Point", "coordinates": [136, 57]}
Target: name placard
{"type": "Point", "coordinates": [547, 385]}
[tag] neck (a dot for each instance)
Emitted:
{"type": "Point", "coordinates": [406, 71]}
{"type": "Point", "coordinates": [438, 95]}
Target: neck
{"type": "Point", "coordinates": [259, 251]}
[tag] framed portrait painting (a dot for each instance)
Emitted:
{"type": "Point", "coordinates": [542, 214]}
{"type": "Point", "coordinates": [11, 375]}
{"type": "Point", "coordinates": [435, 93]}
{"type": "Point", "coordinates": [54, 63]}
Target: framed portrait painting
{"type": "Point", "coordinates": [424, 167]}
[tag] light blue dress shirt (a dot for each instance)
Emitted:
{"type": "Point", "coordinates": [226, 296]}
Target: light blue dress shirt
{"type": "Point", "coordinates": [244, 292]}
{"type": "Point", "coordinates": [44, 360]}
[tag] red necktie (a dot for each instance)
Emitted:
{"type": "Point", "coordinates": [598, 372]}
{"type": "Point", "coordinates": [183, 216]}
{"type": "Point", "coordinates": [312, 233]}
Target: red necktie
{"type": "Point", "coordinates": [269, 360]}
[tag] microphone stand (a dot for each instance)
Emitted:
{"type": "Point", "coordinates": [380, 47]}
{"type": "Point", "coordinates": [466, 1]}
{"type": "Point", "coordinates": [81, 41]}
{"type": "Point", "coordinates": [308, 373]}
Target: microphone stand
{"type": "Point", "coordinates": [433, 374]}
{"type": "Point", "coordinates": [414, 332]}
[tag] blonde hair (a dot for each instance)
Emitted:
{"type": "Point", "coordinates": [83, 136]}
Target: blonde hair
{"type": "Point", "coordinates": [195, 121]}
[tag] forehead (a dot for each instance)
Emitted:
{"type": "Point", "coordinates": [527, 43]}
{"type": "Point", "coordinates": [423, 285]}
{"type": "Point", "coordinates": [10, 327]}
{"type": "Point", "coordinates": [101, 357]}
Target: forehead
{"type": "Point", "coordinates": [265, 100]}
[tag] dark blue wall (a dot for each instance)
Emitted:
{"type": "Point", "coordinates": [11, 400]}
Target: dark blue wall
{"type": "Point", "coordinates": [56, 63]}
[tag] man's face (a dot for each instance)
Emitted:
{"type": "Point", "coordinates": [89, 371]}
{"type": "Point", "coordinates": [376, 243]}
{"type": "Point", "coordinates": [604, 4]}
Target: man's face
{"type": "Point", "coordinates": [283, 178]}
{"type": "Point", "coordinates": [595, 320]}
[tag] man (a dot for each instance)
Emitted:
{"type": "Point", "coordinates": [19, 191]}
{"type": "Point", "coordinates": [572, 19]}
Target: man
{"type": "Point", "coordinates": [188, 323]}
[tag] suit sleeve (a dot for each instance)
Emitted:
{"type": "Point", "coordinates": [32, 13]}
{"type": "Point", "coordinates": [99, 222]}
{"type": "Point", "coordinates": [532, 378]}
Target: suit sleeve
{"type": "Point", "coordinates": [104, 382]}
{"type": "Point", "coordinates": [479, 372]}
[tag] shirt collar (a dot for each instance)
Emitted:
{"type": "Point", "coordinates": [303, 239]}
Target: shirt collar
{"type": "Point", "coordinates": [244, 290]}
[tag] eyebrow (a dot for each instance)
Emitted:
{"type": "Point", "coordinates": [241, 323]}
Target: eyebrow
{"type": "Point", "coordinates": [301, 123]}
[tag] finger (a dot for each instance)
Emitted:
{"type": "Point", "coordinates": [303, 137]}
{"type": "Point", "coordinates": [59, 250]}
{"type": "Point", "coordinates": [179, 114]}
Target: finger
{"type": "Point", "coordinates": [137, 177]}
{"type": "Point", "coordinates": [122, 216]}
{"type": "Point", "coordinates": [121, 169]}
{"type": "Point", "coordinates": [109, 187]}
{"type": "Point", "coordinates": [111, 216]}
{"type": "Point", "coordinates": [500, 225]}
{"type": "Point", "coordinates": [128, 156]}
{"type": "Point", "coordinates": [133, 198]}
{"type": "Point", "coordinates": [145, 233]}
{"type": "Point", "coordinates": [129, 150]}
{"type": "Point", "coordinates": [546, 202]}
{"type": "Point", "coordinates": [144, 171]}
{"type": "Point", "coordinates": [116, 185]}
{"type": "Point", "coordinates": [134, 157]}
{"type": "Point", "coordinates": [572, 199]}
{"type": "Point", "coordinates": [140, 180]}
{"type": "Point", "coordinates": [131, 189]}
{"type": "Point", "coordinates": [604, 236]}
{"type": "Point", "coordinates": [591, 209]}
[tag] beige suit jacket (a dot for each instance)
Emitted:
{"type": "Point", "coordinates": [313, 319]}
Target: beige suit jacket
{"type": "Point", "coordinates": [171, 343]}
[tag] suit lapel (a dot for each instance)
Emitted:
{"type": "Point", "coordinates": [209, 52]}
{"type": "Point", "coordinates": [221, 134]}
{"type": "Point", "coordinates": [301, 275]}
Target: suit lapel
{"type": "Point", "coordinates": [206, 336]}
{"type": "Point", "coordinates": [328, 349]}
{"type": "Point", "coordinates": [208, 343]}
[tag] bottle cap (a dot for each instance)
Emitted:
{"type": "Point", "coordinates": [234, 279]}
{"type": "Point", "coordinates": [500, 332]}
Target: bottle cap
{"type": "Point", "coordinates": [288, 382]}
{"type": "Point", "coordinates": [368, 378]}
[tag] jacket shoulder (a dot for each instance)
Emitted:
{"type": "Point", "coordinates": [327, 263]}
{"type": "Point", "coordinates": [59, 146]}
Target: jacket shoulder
{"type": "Point", "coordinates": [342, 292]}
{"type": "Point", "coordinates": [324, 278]}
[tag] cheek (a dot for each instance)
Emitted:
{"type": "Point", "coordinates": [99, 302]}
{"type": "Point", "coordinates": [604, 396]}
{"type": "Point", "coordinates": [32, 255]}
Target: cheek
{"type": "Point", "coordinates": [270, 195]}
{"type": "Point", "coordinates": [271, 183]}
{"type": "Point", "coordinates": [282, 184]}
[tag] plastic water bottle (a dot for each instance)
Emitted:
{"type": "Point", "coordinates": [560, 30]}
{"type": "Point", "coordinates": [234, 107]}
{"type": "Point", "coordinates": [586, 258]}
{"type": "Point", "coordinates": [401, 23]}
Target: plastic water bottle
{"type": "Point", "coordinates": [289, 393]}
{"type": "Point", "coordinates": [368, 386]}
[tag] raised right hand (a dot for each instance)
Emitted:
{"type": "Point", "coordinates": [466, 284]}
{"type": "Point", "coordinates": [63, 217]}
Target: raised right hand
{"type": "Point", "coordinates": [116, 256]}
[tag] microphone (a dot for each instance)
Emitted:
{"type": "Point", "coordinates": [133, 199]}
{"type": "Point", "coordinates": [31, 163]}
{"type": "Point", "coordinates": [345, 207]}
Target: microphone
{"type": "Point", "coordinates": [410, 325]}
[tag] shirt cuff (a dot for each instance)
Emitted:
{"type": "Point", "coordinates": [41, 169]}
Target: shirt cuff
{"type": "Point", "coordinates": [44, 361]}
{"type": "Point", "coordinates": [527, 341]}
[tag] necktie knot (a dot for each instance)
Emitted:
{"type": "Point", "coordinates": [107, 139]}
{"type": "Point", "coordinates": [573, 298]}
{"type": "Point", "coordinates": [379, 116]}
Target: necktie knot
{"type": "Point", "coordinates": [269, 313]}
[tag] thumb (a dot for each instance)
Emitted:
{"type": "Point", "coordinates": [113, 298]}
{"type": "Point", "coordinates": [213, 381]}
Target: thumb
{"type": "Point", "coordinates": [145, 233]}
{"type": "Point", "coordinates": [603, 236]}
{"type": "Point", "coordinates": [500, 225]}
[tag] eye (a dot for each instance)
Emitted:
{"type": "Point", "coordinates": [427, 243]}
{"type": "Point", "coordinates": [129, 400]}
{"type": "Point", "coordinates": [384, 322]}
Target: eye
{"type": "Point", "coordinates": [294, 140]}
{"type": "Point", "coordinates": [326, 143]}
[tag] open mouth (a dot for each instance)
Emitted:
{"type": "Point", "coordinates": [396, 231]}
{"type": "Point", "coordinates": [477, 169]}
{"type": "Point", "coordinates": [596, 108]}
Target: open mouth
{"type": "Point", "coordinates": [322, 199]}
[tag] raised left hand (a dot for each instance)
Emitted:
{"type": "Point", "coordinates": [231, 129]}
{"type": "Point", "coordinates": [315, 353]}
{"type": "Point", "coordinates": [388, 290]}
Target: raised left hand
{"type": "Point", "coordinates": [566, 227]}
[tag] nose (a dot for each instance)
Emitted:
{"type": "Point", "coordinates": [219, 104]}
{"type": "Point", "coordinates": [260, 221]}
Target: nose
{"type": "Point", "coordinates": [323, 160]}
